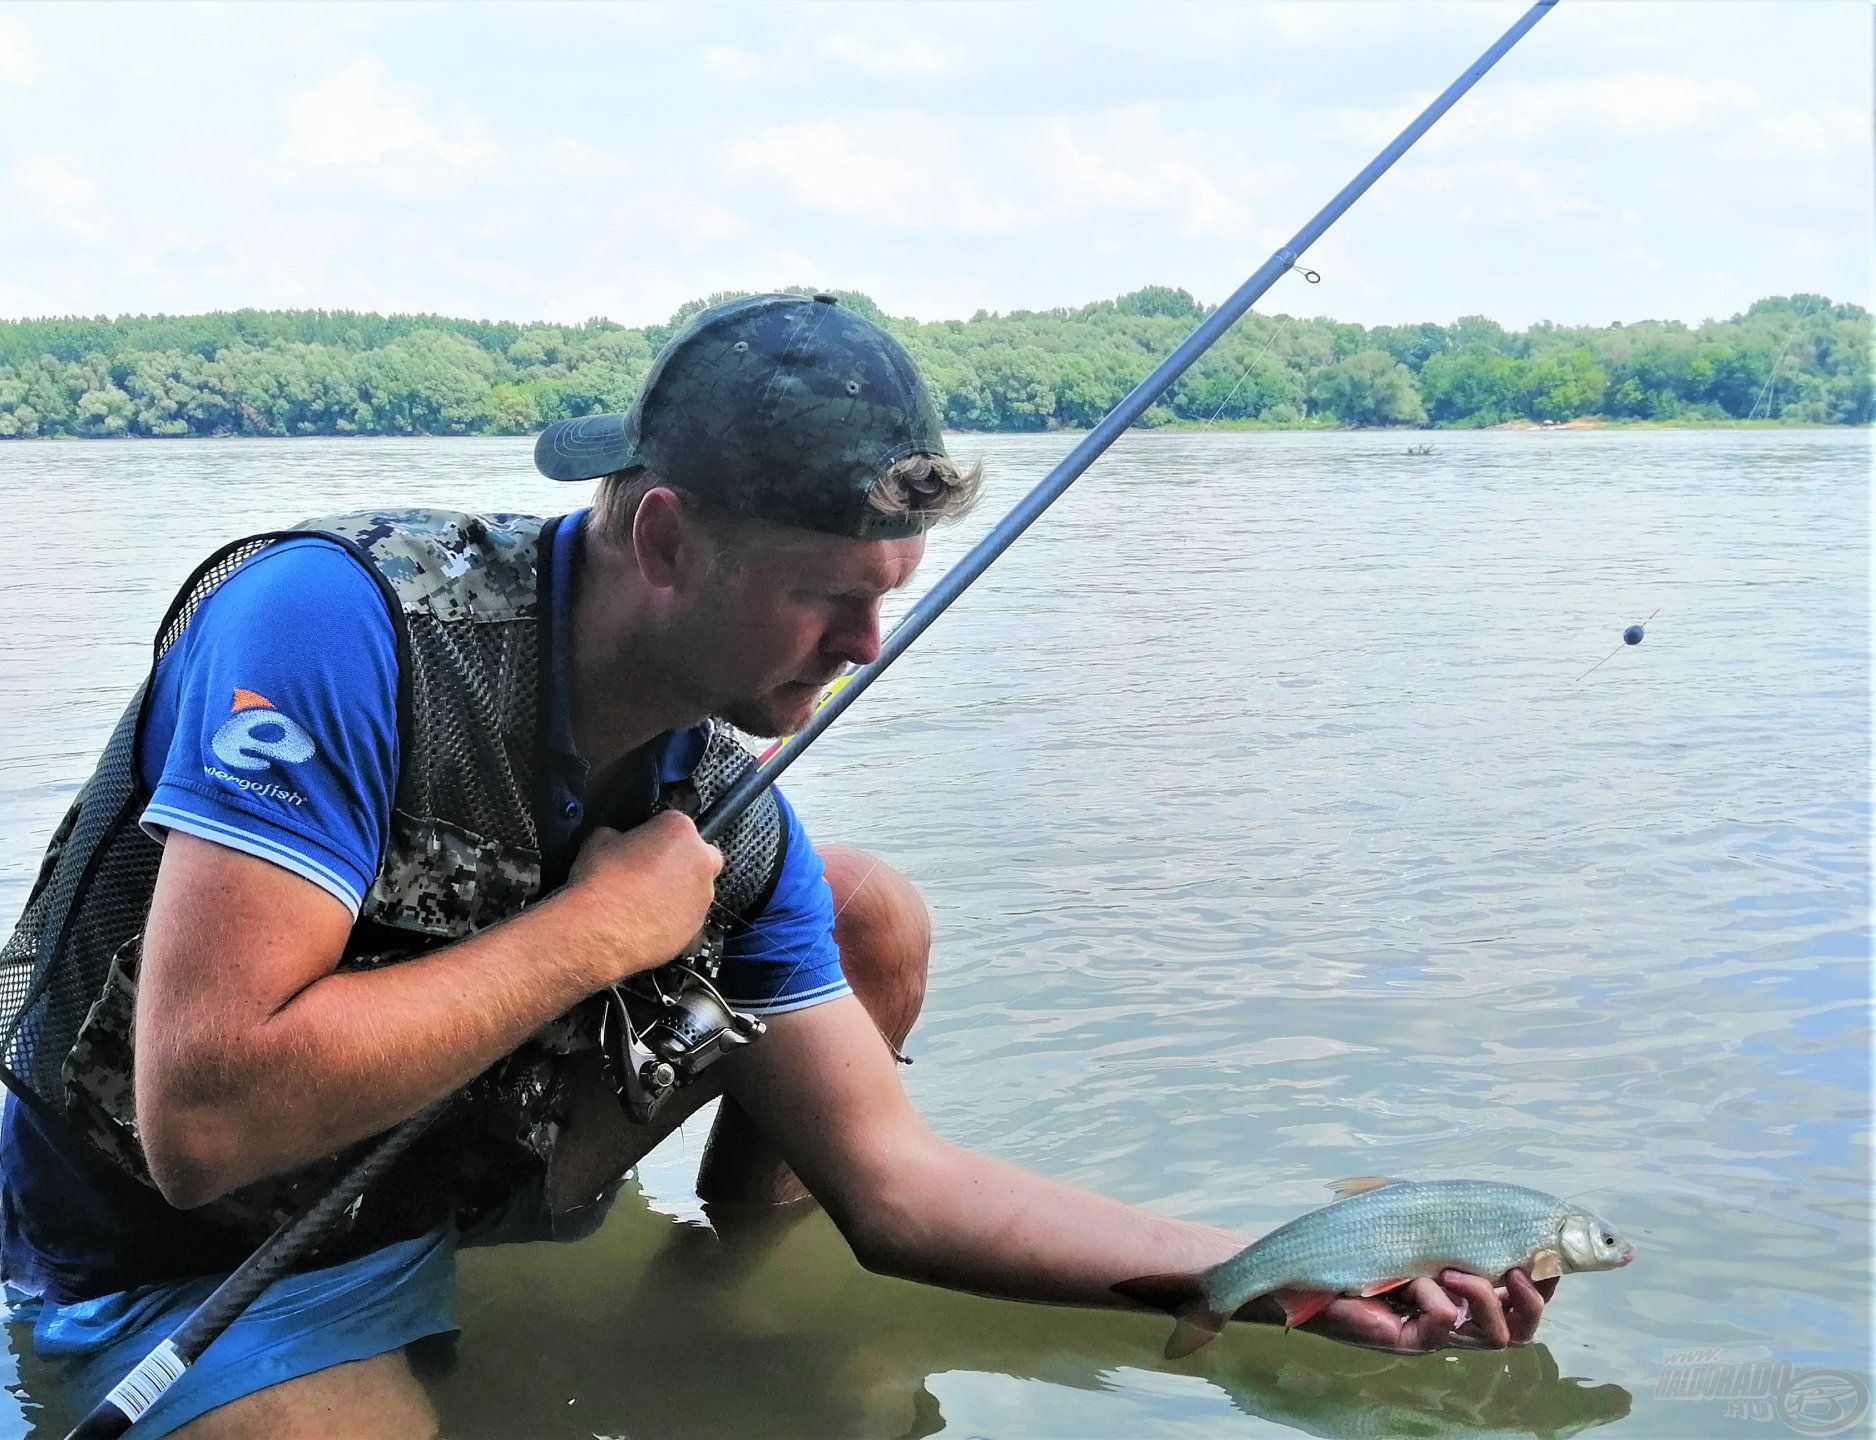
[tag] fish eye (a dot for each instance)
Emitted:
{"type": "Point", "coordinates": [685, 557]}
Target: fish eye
{"type": "Point", "coordinates": [1608, 1239]}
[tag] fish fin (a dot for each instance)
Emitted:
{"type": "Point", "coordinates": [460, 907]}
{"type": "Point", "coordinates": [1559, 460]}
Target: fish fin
{"type": "Point", "coordinates": [1302, 1306]}
{"type": "Point", "coordinates": [1381, 1287]}
{"type": "Point", "coordinates": [1546, 1265]}
{"type": "Point", "coordinates": [1172, 1292]}
{"type": "Point", "coordinates": [1198, 1326]}
{"type": "Point", "coordinates": [1360, 1184]}
{"type": "Point", "coordinates": [1181, 1294]}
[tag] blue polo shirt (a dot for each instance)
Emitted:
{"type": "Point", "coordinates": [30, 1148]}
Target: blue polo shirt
{"type": "Point", "coordinates": [272, 729]}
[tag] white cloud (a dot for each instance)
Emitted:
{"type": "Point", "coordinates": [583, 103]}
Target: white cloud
{"type": "Point", "coordinates": [729, 63]}
{"type": "Point", "coordinates": [1123, 159]}
{"type": "Point", "coordinates": [355, 118]}
{"type": "Point", "coordinates": [1633, 102]}
{"type": "Point", "coordinates": [59, 197]}
{"type": "Point", "coordinates": [1079, 168]}
{"type": "Point", "coordinates": [1302, 24]}
{"type": "Point", "coordinates": [692, 220]}
{"type": "Point", "coordinates": [568, 156]}
{"type": "Point", "coordinates": [1344, 24]}
{"type": "Point", "coordinates": [19, 62]}
{"type": "Point", "coordinates": [900, 171]}
{"type": "Point", "coordinates": [1820, 130]}
{"type": "Point", "coordinates": [1506, 190]}
{"type": "Point", "coordinates": [1648, 100]}
{"type": "Point", "coordinates": [906, 171]}
{"type": "Point", "coordinates": [908, 57]}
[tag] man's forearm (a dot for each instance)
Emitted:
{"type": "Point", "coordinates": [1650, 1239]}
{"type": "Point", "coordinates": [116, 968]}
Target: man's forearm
{"type": "Point", "coordinates": [824, 1089]}
{"type": "Point", "coordinates": [255, 1055]}
{"type": "Point", "coordinates": [356, 1052]}
{"type": "Point", "coordinates": [969, 1222]}
{"type": "Point", "coordinates": [372, 1047]}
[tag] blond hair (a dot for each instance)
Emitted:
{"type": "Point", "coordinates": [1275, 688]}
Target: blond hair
{"type": "Point", "coordinates": [928, 486]}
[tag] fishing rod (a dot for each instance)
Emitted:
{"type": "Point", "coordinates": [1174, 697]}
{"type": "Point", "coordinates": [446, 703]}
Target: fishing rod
{"type": "Point", "coordinates": [166, 1364]}
{"type": "Point", "coordinates": [1069, 469]}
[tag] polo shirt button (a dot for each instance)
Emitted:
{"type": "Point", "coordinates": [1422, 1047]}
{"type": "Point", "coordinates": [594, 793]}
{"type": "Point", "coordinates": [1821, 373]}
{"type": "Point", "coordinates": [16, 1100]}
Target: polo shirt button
{"type": "Point", "coordinates": [572, 811]}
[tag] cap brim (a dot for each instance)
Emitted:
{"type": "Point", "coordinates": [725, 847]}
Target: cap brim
{"type": "Point", "coordinates": [581, 449]}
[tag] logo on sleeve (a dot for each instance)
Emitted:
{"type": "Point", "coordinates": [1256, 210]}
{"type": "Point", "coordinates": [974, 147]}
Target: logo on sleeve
{"type": "Point", "coordinates": [252, 739]}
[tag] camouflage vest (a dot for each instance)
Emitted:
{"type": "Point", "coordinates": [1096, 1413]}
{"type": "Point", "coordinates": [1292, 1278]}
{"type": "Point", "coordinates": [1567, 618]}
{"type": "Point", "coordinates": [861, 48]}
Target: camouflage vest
{"type": "Point", "coordinates": [467, 596]}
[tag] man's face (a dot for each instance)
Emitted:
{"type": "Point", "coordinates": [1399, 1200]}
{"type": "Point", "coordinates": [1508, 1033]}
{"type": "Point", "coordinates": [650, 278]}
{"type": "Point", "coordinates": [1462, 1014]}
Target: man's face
{"type": "Point", "coordinates": [789, 611]}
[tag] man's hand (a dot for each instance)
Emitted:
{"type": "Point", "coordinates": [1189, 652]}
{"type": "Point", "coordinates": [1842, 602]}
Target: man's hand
{"type": "Point", "coordinates": [646, 892]}
{"type": "Point", "coordinates": [1426, 1314]}
{"type": "Point", "coordinates": [256, 1054]}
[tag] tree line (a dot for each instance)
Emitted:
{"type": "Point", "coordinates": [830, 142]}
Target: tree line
{"type": "Point", "coordinates": [1794, 358]}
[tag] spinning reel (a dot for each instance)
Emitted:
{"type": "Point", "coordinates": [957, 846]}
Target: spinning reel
{"type": "Point", "coordinates": [660, 1030]}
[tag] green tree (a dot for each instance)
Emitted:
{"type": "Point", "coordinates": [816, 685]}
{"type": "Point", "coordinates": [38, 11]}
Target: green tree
{"type": "Point", "coordinates": [1562, 385]}
{"type": "Point", "coordinates": [1473, 386]}
{"type": "Point", "coordinates": [510, 410]}
{"type": "Point", "coordinates": [1160, 300]}
{"type": "Point", "coordinates": [1368, 388]}
{"type": "Point", "coordinates": [1018, 386]}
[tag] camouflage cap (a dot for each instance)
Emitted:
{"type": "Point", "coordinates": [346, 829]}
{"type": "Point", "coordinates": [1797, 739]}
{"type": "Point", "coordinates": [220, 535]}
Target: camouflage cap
{"type": "Point", "coordinates": [778, 406]}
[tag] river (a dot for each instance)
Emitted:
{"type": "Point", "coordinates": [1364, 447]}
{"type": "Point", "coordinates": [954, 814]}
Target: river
{"type": "Point", "coordinates": [1272, 837]}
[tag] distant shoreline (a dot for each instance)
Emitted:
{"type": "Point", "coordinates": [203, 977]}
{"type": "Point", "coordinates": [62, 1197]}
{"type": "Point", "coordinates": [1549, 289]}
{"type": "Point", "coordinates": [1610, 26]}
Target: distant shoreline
{"type": "Point", "coordinates": [1175, 427]}
{"type": "Point", "coordinates": [1802, 358]}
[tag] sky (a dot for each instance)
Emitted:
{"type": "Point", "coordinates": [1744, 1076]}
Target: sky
{"type": "Point", "coordinates": [1630, 159]}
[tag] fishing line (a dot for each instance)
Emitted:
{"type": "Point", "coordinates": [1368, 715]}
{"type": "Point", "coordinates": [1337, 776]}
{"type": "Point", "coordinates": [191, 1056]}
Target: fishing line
{"type": "Point", "coordinates": [1636, 631]}
{"type": "Point", "coordinates": [1314, 277]}
{"type": "Point", "coordinates": [804, 952]}
{"type": "Point", "coordinates": [1779, 364]}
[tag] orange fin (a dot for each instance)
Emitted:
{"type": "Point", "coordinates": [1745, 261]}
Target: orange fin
{"type": "Point", "coordinates": [250, 700]}
{"type": "Point", "coordinates": [1360, 1184]}
{"type": "Point", "coordinates": [1301, 1306]}
{"type": "Point", "coordinates": [1381, 1287]}
{"type": "Point", "coordinates": [1546, 1265]}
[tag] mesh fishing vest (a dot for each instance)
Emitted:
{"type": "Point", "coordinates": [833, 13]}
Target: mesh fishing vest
{"type": "Point", "coordinates": [467, 595]}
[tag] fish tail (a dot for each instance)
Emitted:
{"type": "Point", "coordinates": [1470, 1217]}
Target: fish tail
{"type": "Point", "coordinates": [1181, 1295]}
{"type": "Point", "coordinates": [1197, 1327]}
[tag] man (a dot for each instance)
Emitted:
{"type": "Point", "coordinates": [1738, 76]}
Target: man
{"type": "Point", "coordinates": [342, 858]}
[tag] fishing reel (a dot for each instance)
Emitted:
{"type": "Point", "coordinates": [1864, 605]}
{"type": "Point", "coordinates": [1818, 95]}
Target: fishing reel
{"type": "Point", "coordinates": [660, 1030]}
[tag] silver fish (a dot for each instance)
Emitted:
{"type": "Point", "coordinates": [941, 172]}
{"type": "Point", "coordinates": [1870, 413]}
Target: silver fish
{"type": "Point", "coordinates": [1379, 1234]}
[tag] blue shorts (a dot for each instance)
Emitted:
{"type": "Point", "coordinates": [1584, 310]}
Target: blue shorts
{"type": "Point", "coordinates": [303, 1323]}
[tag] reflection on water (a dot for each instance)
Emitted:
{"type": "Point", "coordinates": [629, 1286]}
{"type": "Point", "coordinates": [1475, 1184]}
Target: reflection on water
{"type": "Point", "coordinates": [1270, 838]}
{"type": "Point", "coordinates": [801, 1344]}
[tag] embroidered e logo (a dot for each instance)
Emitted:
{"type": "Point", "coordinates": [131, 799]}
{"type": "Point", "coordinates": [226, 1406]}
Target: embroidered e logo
{"type": "Point", "coordinates": [256, 735]}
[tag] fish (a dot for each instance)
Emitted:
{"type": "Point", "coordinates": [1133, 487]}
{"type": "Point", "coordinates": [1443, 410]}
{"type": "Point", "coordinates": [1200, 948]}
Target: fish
{"type": "Point", "coordinates": [1377, 1235]}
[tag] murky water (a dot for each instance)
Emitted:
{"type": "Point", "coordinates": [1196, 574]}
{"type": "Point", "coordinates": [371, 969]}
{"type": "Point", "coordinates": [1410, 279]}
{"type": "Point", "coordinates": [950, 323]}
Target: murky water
{"type": "Point", "coordinates": [1272, 838]}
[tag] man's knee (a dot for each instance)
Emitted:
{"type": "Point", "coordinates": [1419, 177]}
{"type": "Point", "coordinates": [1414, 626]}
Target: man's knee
{"type": "Point", "coordinates": [883, 929]}
{"type": "Point", "coordinates": [375, 1399]}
